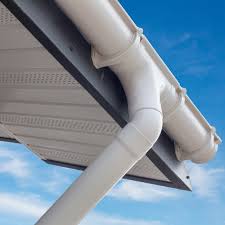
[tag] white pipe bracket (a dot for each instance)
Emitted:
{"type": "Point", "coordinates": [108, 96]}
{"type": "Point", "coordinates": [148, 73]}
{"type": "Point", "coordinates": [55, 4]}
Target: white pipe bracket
{"type": "Point", "coordinates": [194, 155]}
{"type": "Point", "coordinates": [100, 61]}
{"type": "Point", "coordinates": [182, 92]}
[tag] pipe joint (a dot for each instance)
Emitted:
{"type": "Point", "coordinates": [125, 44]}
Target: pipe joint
{"type": "Point", "coordinates": [100, 61]}
{"type": "Point", "coordinates": [134, 141]}
{"type": "Point", "coordinates": [181, 95]}
{"type": "Point", "coordinates": [205, 153]}
{"type": "Point", "coordinates": [138, 137]}
{"type": "Point", "coordinates": [149, 122]}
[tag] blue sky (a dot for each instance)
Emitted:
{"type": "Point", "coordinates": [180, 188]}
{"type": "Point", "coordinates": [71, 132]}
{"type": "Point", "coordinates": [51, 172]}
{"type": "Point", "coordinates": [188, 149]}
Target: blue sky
{"type": "Point", "coordinates": [190, 37]}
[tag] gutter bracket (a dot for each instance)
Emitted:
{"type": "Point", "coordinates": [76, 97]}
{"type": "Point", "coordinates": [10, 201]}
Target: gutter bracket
{"type": "Point", "coordinates": [183, 155]}
{"type": "Point", "coordinates": [181, 95]}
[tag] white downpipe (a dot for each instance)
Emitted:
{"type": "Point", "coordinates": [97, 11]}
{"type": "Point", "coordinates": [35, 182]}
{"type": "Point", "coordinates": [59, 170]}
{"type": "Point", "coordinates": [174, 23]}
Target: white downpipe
{"type": "Point", "coordinates": [138, 136]}
{"type": "Point", "coordinates": [131, 144]}
{"type": "Point", "coordinates": [116, 160]}
{"type": "Point", "coordinates": [111, 32]}
{"type": "Point", "coordinates": [119, 44]}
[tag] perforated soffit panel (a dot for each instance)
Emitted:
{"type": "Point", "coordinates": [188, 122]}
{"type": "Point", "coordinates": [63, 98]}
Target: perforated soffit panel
{"type": "Point", "coordinates": [46, 109]}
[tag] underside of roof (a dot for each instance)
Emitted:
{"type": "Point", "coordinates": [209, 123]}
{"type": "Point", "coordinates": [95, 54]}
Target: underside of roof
{"type": "Point", "coordinates": [43, 107]}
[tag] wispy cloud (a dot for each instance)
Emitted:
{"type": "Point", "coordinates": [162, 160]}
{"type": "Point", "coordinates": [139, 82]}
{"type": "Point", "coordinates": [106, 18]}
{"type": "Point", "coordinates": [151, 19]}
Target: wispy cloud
{"type": "Point", "coordinates": [187, 53]}
{"type": "Point", "coordinates": [141, 192]}
{"type": "Point", "coordinates": [197, 68]}
{"type": "Point", "coordinates": [28, 173]}
{"type": "Point", "coordinates": [169, 42]}
{"type": "Point", "coordinates": [32, 206]}
{"type": "Point", "coordinates": [206, 182]}
{"type": "Point", "coordinates": [22, 204]}
{"type": "Point", "coordinates": [104, 219]}
{"type": "Point", "coordinates": [55, 181]}
{"type": "Point", "coordinates": [13, 164]}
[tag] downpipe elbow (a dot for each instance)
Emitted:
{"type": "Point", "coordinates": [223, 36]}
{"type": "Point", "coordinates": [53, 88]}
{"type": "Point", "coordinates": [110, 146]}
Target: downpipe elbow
{"type": "Point", "coordinates": [141, 133]}
{"type": "Point", "coordinates": [149, 122]}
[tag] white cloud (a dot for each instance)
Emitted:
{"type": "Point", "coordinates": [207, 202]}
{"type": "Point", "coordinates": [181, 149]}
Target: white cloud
{"type": "Point", "coordinates": [104, 219]}
{"type": "Point", "coordinates": [28, 205]}
{"type": "Point", "coordinates": [17, 165]}
{"type": "Point", "coordinates": [206, 182]}
{"type": "Point", "coordinates": [136, 191]}
{"type": "Point", "coordinates": [171, 42]}
{"type": "Point", "coordinates": [197, 69]}
{"type": "Point", "coordinates": [55, 181]}
{"type": "Point", "coordinates": [13, 164]}
{"type": "Point", "coordinates": [32, 206]}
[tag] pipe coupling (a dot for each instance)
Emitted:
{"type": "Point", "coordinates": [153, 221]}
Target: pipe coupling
{"type": "Point", "coordinates": [100, 61]}
{"type": "Point", "coordinates": [201, 155]}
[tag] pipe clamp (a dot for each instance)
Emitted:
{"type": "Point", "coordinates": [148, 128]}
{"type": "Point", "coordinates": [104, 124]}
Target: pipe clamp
{"type": "Point", "coordinates": [208, 146]}
{"type": "Point", "coordinates": [181, 93]}
{"type": "Point", "coordinates": [100, 61]}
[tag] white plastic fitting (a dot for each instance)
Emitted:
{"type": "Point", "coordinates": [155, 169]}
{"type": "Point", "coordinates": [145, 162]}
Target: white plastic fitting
{"type": "Point", "coordinates": [151, 90]}
{"type": "Point", "coordinates": [131, 144]}
{"type": "Point", "coordinates": [114, 38]}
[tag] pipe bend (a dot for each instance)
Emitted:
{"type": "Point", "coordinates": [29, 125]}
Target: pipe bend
{"type": "Point", "coordinates": [149, 122]}
{"type": "Point", "coordinates": [142, 89]}
{"type": "Point", "coordinates": [141, 133]}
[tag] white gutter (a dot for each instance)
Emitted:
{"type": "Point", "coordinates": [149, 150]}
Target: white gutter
{"type": "Point", "coordinates": [151, 90]}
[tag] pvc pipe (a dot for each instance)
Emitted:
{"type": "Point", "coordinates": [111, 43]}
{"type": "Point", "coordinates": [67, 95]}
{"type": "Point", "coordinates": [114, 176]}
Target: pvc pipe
{"type": "Point", "coordinates": [117, 159]}
{"type": "Point", "coordinates": [104, 16]}
{"type": "Point", "coordinates": [118, 43]}
{"type": "Point", "coordinates": [112, 34]}
{"type": "Point", "coordinates": [132, 143]}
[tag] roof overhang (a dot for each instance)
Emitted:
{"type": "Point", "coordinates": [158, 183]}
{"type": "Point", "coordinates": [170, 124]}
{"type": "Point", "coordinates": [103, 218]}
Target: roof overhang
{"type": "Point", "coordinates": [63, 41]}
